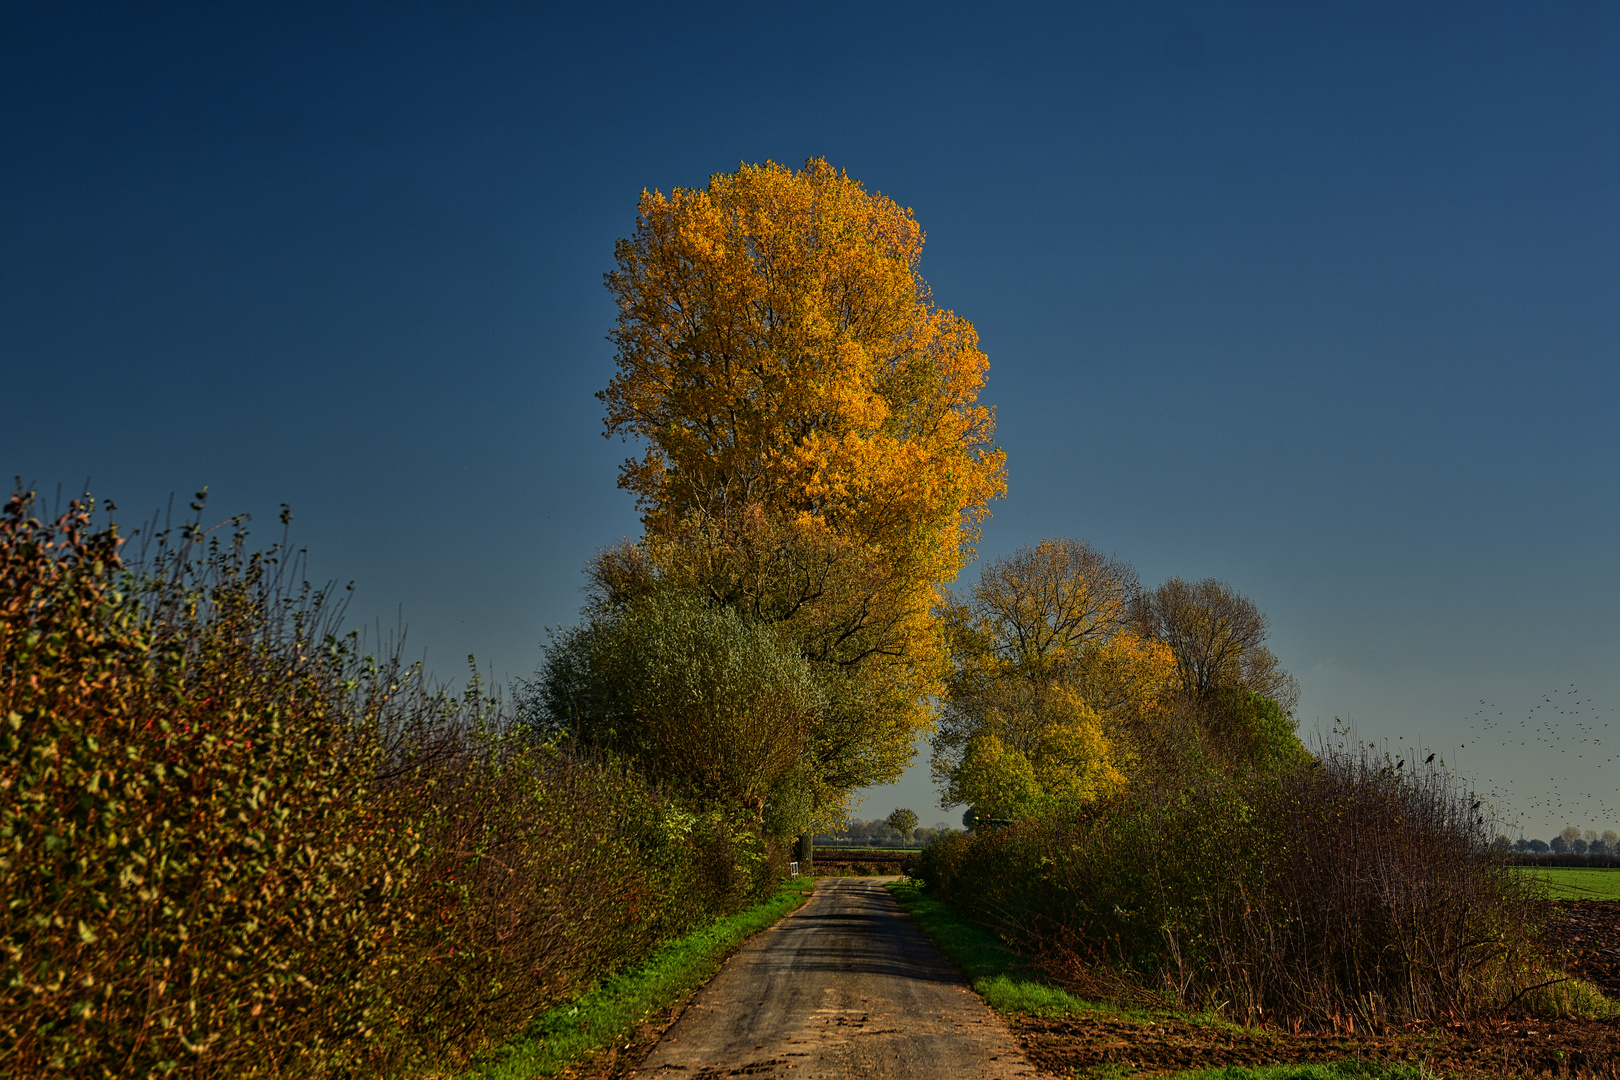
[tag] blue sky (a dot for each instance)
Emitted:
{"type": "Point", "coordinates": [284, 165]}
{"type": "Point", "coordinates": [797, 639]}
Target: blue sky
{"type": "Point", "coordinates": [1323, 300]}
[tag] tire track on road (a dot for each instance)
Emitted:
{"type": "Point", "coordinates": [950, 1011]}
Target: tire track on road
{"type": "Point", "coordinates": [846, 986]}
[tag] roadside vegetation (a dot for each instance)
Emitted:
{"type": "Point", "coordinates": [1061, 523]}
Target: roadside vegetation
{"type": "Point", "coordinates": [235, 843]}
{"type": "Point", "coordinates": [1007, 982]}
{"type": "Point", "coordinates": [1094, 1037]}
{"type": "Point", "coordinates": [1159, 875]}
{"type": "Point", "coordinates": [1150, 827]}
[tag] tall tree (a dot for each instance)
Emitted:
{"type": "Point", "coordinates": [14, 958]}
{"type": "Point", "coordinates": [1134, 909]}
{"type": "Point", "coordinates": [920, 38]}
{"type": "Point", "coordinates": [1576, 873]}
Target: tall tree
{"type": "Point", "coordinates": [1236, 701]}
{"type": "Point", "coordinates": [1037, 609]}
{"type": "Point", "coordinates": [814, 453]}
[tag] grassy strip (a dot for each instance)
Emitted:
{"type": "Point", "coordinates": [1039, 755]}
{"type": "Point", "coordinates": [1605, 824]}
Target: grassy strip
{"type": "Point", "coordinates": [584, 1025]}
{"type": "Point", "coordinates": [1004, 981]}
{"type": "Point", "coordinates": [1576, 882]}
{"type": "Point", "coordinates": [1336, 1070]}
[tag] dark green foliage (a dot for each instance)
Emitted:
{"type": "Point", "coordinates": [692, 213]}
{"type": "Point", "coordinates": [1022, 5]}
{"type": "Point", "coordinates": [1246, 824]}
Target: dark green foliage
{"type": "Point", "coordinates": [1249, 730]}
{"type": "Point", "coordinates": [696, 695]}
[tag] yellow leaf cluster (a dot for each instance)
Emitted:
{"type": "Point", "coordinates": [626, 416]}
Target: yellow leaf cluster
{"type": "Point", "coordinates": [1048, 664]}
{"type": "Point", "coordinates": [777, 347]}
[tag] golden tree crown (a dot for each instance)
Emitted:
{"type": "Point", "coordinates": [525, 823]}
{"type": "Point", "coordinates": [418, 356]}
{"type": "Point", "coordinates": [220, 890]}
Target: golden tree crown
{"type": "Point", "coordinates": [778, 348]}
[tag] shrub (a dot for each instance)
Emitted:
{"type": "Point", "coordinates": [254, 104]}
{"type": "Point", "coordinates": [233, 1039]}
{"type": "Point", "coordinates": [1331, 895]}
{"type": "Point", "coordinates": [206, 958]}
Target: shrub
{"type": "Point", "coordinates": [191, 877]}
{"type": "Point", "coordinates": [1346, 893]}
{"type": "Point", "coordinates": [702, 697]}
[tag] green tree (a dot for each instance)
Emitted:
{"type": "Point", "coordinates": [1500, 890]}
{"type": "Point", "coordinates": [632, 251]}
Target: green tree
{"type": "Point", "coordinates": [1231, 703]}
{"type": "Point", "coordinates": [1250, 729]}
{"type": "Point", "coordinates": [903, 821]}
{"type": "Point", "coordinates": [995, 780]}
{"type": "Point", "coordinates": [697, 695]}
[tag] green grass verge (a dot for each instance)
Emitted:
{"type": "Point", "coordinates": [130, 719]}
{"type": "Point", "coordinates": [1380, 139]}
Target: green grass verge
{"type": "Point", "coordinates": [1576, 882]}
{"type": "Point", "coordinates": [1337, 1070]}
{"type": "Point", "coordinates": [1004, 981]}
{"type": "Point", "coordinates": [583, 1026]}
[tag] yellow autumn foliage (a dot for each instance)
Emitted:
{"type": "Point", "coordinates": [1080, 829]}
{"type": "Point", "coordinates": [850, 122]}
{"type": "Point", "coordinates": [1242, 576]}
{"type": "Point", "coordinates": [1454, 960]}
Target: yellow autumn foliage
{"type": "Point", "coordinates": [1045, 731]}
{"type": "Point", "coordinates": [1048, 664]}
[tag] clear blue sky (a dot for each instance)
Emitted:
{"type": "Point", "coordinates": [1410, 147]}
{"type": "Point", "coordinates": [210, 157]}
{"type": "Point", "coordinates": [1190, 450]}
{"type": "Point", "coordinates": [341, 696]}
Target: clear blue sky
{"type": "Point", "coordinates": [1320, 299]}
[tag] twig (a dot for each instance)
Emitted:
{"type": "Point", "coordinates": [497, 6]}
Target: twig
{"type": "Point", "coordinates": [1527, 989]}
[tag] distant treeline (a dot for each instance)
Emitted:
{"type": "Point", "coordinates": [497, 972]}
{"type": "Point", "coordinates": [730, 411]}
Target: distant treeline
{"type": "Point", "coordinates": [1567, 858]}
{"type": "Point", "coordinates": [880, 832]}
{"type": "Point", "coordinates": [1570, 840]}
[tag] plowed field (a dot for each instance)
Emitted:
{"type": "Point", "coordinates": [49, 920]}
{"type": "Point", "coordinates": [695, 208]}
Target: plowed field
{"type": "Point", "coordinates": [1587, 940]}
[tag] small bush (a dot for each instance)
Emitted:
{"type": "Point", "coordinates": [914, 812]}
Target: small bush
{"type": "Point", "coordinates": [697, 695]}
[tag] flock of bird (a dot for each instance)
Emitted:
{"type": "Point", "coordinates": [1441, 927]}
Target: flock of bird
{"type": "Point", "coordinates": [1559, 765]}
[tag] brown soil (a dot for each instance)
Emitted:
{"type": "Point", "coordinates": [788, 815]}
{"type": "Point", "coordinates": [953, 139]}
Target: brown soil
{"type": "Point", "coordinates": [1585, 942]}
{"type": "Point", "coordinates": [1529, 1048]}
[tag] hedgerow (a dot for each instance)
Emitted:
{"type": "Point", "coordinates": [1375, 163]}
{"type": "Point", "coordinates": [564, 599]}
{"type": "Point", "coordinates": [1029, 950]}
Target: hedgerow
{"type": "Point", "coordinates": [232, 843]}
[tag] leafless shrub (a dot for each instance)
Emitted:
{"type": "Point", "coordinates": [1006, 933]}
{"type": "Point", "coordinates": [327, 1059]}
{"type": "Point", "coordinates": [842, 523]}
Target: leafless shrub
{"type": "Point", "coordinates": [1381, 902]}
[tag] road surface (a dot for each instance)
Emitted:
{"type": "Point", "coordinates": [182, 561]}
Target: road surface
{"type": "Point", "coordinates": [846, 986]}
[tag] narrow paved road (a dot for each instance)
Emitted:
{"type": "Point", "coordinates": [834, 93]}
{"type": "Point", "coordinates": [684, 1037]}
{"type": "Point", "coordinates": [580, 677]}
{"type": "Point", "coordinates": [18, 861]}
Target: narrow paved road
{"type": "Point", "coordinates": [846, 986]}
